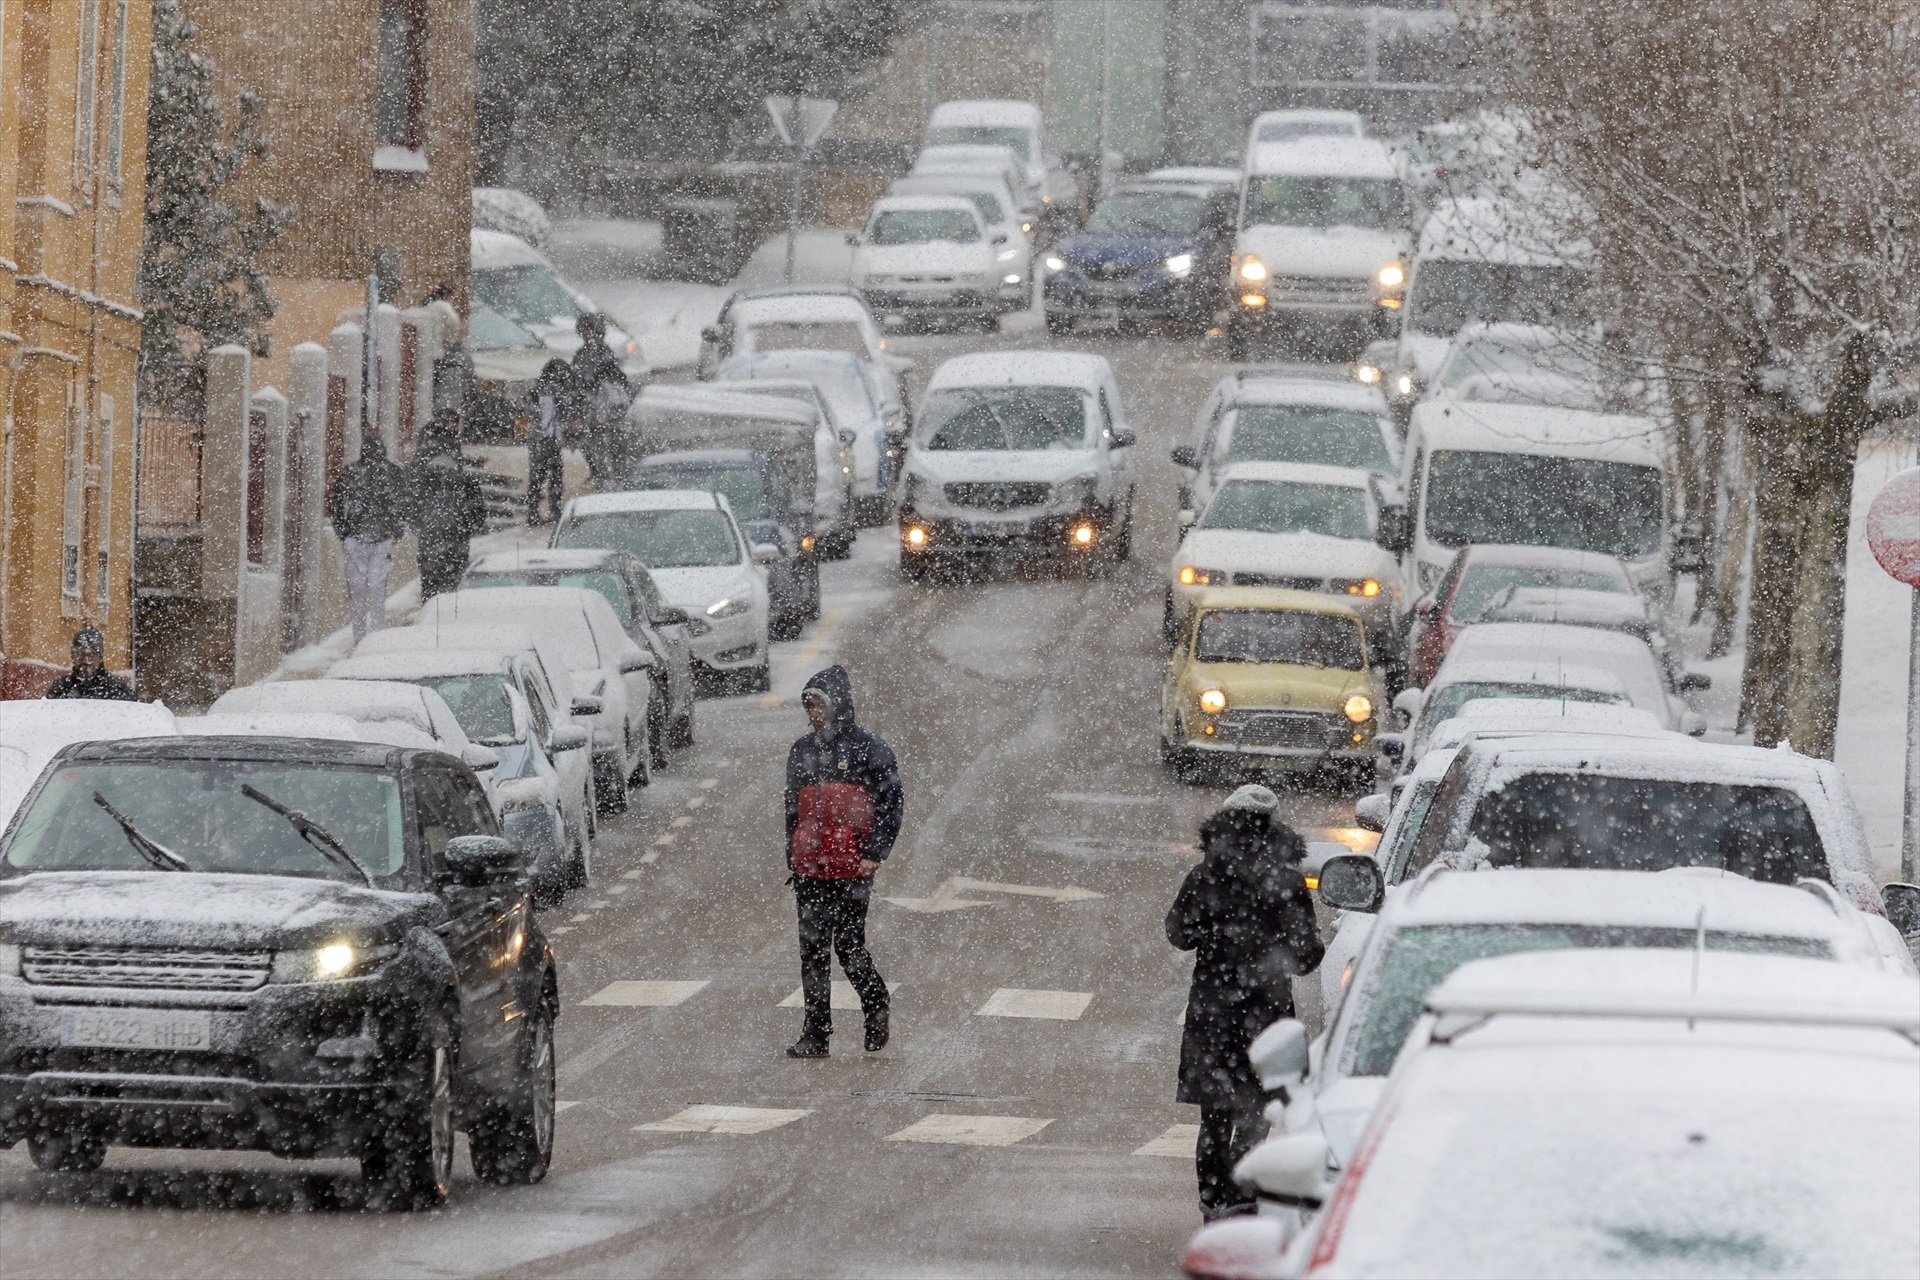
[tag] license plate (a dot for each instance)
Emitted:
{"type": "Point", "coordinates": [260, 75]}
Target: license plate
{"type": "Point", "coordinates": [135, 1029]}
{"type": "Point", "coordinates": [995, 529]}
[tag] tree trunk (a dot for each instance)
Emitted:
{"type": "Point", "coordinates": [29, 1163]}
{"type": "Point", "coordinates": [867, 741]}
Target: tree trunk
{"type": "Point", "coordinates": [1707, 510]}
{"type": "Point", "coordinates": [1729, 569]}
{"type": "Point", "coordinates": [1778, 511]}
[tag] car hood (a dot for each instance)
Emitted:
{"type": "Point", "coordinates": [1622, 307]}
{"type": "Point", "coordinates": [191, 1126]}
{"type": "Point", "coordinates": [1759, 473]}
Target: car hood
{"type": "Point", "coordinates": [1129, 251]}
{"type": "Point", "coordinates": [943, 466]}
{"type": "Point", "coordinates": [1345, 1106]}
{"type": "Point", "coordinates": [1304, 554]}
{"type": "Point", "coordinates": [211, 910]}
{"type": "Point", "coordinates": [891, 259]}
{"type": "Point", "coordinates": [510, 364]}
{"type": "Point", "coordinates": [1335, 252]}
{"type": "Point", "coordinates": [695, 588]}
{"type": "Point", "coordinates": [1279, 685]}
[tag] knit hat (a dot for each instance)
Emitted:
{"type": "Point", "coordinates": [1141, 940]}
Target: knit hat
{"type": "Point", "coordinates": [1253, 797]}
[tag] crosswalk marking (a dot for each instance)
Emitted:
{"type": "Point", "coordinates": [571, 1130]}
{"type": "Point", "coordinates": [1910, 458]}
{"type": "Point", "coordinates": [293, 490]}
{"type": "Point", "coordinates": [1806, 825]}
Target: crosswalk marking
{"type": "Point", "coordinates": [651, 855]}
{"type": "Point", "coordinates": [707, 784]}
{"type": "Point", "coordinates": [694, 802]}
{"type": "Point", "coordinates": [1177, 1142]}
{"type": "Point", "coordinates": [844, 996]}
{"type": "Point", "coordinates": [682, 821]}
{"type": "Point", "coordinates": [1017, 1002]}
{"type": "Point", "coordinates": [712, 1119]}
{"type": "Point", "coordinates": [644, 994]}
{"type": "Point", "coordinates": [970, 1131]}
{"type": "Point", "coordinates": [558, 1107]}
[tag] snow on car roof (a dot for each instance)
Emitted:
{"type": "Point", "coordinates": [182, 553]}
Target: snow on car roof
{"type": "Point", "coordinates": [1675, 756]}
{"type": "Point", "coordinates": [1502, 553]}
{"type": "Point", "coordinates": [41, 728]}
{"type": "Point", "coordinates": [1547, 671]}
{"type": "Point", "coordinates": [1497, 640]}
{"type": "Point", "coordinates": [555, 558]}
{"type": "Point", "coordinates": [498, 249]}
{"type": "Point", "coordinates": [1325, 157]}
{"type": "Point", "coordinates": [915, 204]}
{"type": "Point", "coordinates": [811, 306]}
{"type": "Point", "coordinates": [594, 504]}
{"type": "Point", "coordinates": [1281, 598]}
{"type": "Point", "coordinates": [367, 701]}
{"type": "Point", "coordinates": [1539, 429]}
{"type": "Point", "coordinates": [985, 111]}
{"type": "Point", "coordinates": [1483, 229]}
{"type": "Point", "coordinates": [712, 399]}
{"type": "Point", "coordinates": [1572, 605]}
{"type": "Point", "coordinates": [1501, 717]}
{"type": "Point", "coordinates": [1322, 392]}
{"type": "Point", "coordinates": [275, 724]}
{"type": "Point", "coordinates": [1298, 473]}
{"type": "Point", "coordinates": [419, 664]}
{"type": "Point", "coordinates": [1024, 368]}
{"type": "Point", "coordinates": [1201, 175]}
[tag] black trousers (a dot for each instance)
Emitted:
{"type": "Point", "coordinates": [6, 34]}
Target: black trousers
{"type": "Point", "coordinates": [544, 471]}
{"type": "Point", "coordinates": [1226, 1134]}
{"type": "Point", "coordinates": [833, 921]}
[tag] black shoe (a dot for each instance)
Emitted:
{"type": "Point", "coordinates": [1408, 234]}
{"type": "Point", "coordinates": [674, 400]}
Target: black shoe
{"type": "Point", "coordinates": [807, 1047]}
{"type": "Point", "coordinates": [877, 1031]}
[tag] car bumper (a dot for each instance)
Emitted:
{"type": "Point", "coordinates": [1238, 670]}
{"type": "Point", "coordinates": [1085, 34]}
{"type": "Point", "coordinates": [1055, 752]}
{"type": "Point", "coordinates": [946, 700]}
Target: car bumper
{"type": "Point", "coordinates": [969, 301]}
{"type": "Point", "coordinates": [1154, 297]}
{"type": "Point", "coordinates": [1286, 757]}
{"type": "Point", "coordinates": [730, 644]}
{"type": "Point", "coordinates": [1031, 537]}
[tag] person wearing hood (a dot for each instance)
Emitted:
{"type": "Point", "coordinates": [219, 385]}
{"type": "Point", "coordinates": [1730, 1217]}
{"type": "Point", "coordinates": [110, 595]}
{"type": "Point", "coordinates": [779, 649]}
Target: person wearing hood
{"type": "Point", "coordinates": [447, 506]}
{"type": "Point", "coordinates": [1245, 913]}
{"type": "Point", "coordinates": [545, 425]}
{"type": "Point", "coordinates": [90, 677]}
{"type": "Point", "coordinates": [844, 807]}
{"type": "Point", "coordinates": [600, 395]}
{"type": "Point", "coordinates": [367, 509]}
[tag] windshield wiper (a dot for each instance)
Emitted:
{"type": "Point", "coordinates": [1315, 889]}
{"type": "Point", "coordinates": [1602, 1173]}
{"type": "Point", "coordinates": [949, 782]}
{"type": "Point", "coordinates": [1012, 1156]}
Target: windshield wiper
{"type": "Point", "coordinates": [310, 831]}
{"type": "Point", "coordinates": [147, 847]}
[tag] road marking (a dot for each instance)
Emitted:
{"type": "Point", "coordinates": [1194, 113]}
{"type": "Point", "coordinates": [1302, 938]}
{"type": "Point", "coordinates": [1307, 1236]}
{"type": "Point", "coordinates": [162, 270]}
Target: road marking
{"type": "Point", "coordinates": [657, 995]}
{"type": "Point", "coordinates": [970, 1131]}
{"type": "Point", "coordinates": [681, 821]}
{"type": "Point", "coordinates": [694, 802]}
{"type": "Point", "coordinates": [664, 840]}
{"type": "Point", "coordinates": [651, 855]}
{"type": "Point", "coordinates": [844, 996]}
{"type": "Point", "coordinates": [619, 889]}
{"type": "Point", "coordinates": [773, 700]}
{"type": "Point", "coordinates": [708, 783]}
{"type": "Point", "coordinates": [576, 919]}
{"type": "Point", "coordinates": [598, 904]}
{"type": "Point", "coordinates": [629, 875]}
{"type": "Point", "coordinates": [1103, 797]}
{"type": "Point", "coordinates": [559, 929]}
{"type": "Point", "coordinates": [1018, 1002]}
{"type": "Point", "coordinates": [1178, 1142]}
{"type": "Point", "coordinates": [947, 896]}
{"type": "Point", "coordinates": [558, 1107]}
{"type": "Point", "coordinates": [709, 1119]}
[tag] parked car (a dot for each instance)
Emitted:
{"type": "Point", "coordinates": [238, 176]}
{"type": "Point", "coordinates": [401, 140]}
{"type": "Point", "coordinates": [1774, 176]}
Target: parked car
{"type": "Point", "coordinates": [1018, 126]}
{"type": "Point", "coordinates": [930, 260]}
{"type": "Point", "coordinates": [834, 524]}
{"type": "Point", "coordinates": [1480, 574]}
{"type": "Point", "coordinates": [1269, 678]}
{"type": "Point", "coordinates": [1019, 453]}
{"type": "Point", "coordinates": [332, 952]}
{"type": "Point", "coordinates": [1508, 363]}
{"type": "Point", "coordinates": [801, 317]}
{"type": "Point", "coordinates": [703, 564]}
{"type": "Point", "coordinates": [507, 357]}
{"type": "Point", "coordinates": [33, 732]}
{"type": "Point", "coordinates": [1154, 251]}
{"type": "Point", "coordinates": [514, 212]}
{"type": "Point", "coordinates": [664, 630]}
{"type": "Point", "coordinates": [1297, 124]}
{"type": "Point", "coordinates": [999, 163]}
{"type": "Point", "coordinates": [1253, 417]}
{"type": "Point", "coordinates": [515, 279]}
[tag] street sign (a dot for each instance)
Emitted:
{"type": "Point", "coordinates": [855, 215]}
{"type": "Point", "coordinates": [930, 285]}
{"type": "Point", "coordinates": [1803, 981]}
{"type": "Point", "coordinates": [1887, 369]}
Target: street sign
{"type": "Point", "coordinates": [801, 121]}
{"type": "Point", "coordinates": [1893, 526]}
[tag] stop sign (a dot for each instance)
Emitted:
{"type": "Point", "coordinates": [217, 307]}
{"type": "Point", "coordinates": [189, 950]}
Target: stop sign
{"type": "Point", "coordinates": [1893, 526]}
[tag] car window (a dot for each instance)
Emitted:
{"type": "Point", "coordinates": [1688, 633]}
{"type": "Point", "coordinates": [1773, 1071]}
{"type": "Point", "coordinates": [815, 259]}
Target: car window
{"type": "Point", "coordinates": [434, 812]}
{"type": "Point", "coordinates": [1393, 850]}
{"type": "Point", "coordinates": [1307, 433]}
{"type": "Point", "coordinates": [743, 484]}
{"type": "Point", "coordinates": [527, 295]}
{"type": "Point", "coordinates": [537, 711]}
{"type": "Point", "coordinates": [982, 135]}
{"type": "Point", "coordinates": [674, 539]}
{"type": "Point", "coordinates": [1287, 200]}
{"type": "Point", "coordinates": [1146, 213]}
{"type": "Point", "coordinates": [1277, 635]}
{"type": "Point", "coordinates": [827, 335]}
{"type": "Point", "coordinates": [923, 226]}
{"type": "Point", "coordinates": [1582, 504]}
{"type": "Point", "coordinates": [1288, 506]}
{"type": "Point", "coordinates": [1447, 700]}
{"type": "Point", "coordinates": [480, 703]}
{"type": "Point", "coordinates": [472, 815]}
{"type": "Point", "coordinates": [1481, 583]}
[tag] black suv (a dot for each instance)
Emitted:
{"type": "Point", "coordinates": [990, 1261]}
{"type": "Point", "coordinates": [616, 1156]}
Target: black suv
{"type": "Point", "coordinates": [312, 948]}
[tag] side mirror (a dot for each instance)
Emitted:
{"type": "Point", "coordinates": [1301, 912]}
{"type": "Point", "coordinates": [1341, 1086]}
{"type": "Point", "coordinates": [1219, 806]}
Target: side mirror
{"type": "Point", "coordinates": [1001, 238]}
{"type": "Point", "coordinates": [712, 333]}
{"type": "Point", "coordinates": [671, 616]}
{"type": "Point", "coordinates": [1370, 813]}
{"type": "Point", "coordinates": [1693, 724]}
{"type": "Point", "coordinates": [1425, 606]}
{"type": "Point", "coordinates": [477, 860]}
{"type": "Point", "coordinates": [1279, 1054]}
{"type": "Point", "coordinates": [1183, 456]}
{"type": "Point", "coordinates": [1188, 518]}
{"type": "Point", "coordinates": [1902, 902]}
{"type": "Point", "coordinates": [1395, 531]}
{"type": "Point", "coordinates": [1389, 746]}
{"type": "Point", "coordinates": [588, 704]}
{"type": "Point", "coordinates": [479, 758]}
{"type": "Point", "coordinates": [639, 660]}
{"type": "Point", "coordinates": [853, 239]}
{"type": "Point", "coordinates": [1123, 438]}
{"type": "Point", "coordinates": [765, 553]}
{"type": "Point", "coordinates": [1291, 1170]}
{"type": "Point", "coordinates": [1408, 702]}
{"type": "Point", "coordinates": [566, 737]}
{"type": "Point", "coordinates": [1352, 882]}
{"type": "Point", "coordinates": [1692, 682]}
{"type": "Point", "coordinates": [847, 439]}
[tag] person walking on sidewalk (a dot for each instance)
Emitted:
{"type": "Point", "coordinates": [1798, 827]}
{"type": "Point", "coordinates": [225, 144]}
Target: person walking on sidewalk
{"type": "Point", "coordinates": [89, 677]}
{"type": "Point", "coordinates": [844, 806]}
{"type": "Point", "coordinates": [598, 399]}
{"type": "Point", "coordinates": [368, 511]}
{"type": "Point", "coordinates": [1245, 912]}
{"type": "Point", "coordinates": [447, 505]}
{"type": "Point", "coordinates": [546, 423]}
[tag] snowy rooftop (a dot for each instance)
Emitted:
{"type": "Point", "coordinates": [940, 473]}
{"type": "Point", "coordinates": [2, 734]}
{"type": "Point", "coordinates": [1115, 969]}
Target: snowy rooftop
{"type": "Point", "coordinates": [1325, 158]}
{"type": "Point", "coordinates": [1323, 392]}
{"type": "Point", "coordinates": [1539, 429]}
{"type": "Point", "coordinates": [1024, 368]}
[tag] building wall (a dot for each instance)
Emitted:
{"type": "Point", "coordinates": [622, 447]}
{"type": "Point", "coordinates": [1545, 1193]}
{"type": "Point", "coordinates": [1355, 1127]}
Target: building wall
{"type": "Point", "coordinates": [73, 93]}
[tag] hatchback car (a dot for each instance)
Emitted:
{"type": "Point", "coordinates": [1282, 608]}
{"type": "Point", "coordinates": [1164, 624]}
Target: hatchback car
{"type": "Point", "coordinates": [926, 260]}
{"type": "Point", "coordinates": [318, 949]}
{"type": "Point", "coordinates": [1155, 251]}
{"type": "Point", "coordinates": [1478, 578]}
{"type": "Point", "coordinates": [1264, 418]}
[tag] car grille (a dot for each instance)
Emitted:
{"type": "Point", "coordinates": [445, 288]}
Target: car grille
{"type": "Point", "coordinates": [1321, 289]}
{"type": "Point", "coordinates": [1114, 270]}
{"type": "Point", "coordinates": [1276, 580]}
{"type": "Point", "coordinates": [145, 967]}
{"type": "Point", "coordinates": [998, 495]}
{"type": "Point", "coordinates": [1297, 729]}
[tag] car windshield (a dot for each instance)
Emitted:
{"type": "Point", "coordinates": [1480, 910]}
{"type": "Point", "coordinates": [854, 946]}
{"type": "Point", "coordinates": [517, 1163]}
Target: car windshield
{"type": "Point", "coordinates": [743, 484]}
{"type": "Point", "coordinates": [488, 330]}
{"type": "Point", "coordinates": [1582, 504]}
{"type": "Point", "coordinates": [679, 539]}
{"type": "Point", "coordinates": [1482, 584]}
{"type": "Point", "coordinates": [1420, 958]}
{"type": "Point", "coordinates": [982, 135]}
{"type": "Point", "coordinates": [1503, 361]}
{"type": "Point", "coordinates": [1287, 506]}
{"type": "Point", "coordinates": [1294, 130]}
{"type": "Point", "coordinates": [1307, 433]}
{"type": "Point", "coordinates": [1276, 635]}
{"type": "Point", "coordinates": [823, 335]}
{"type": "Point", "coordinates": [1284, 200]}
{"type": "Point", "coordinates": [605, 581]}
{"type": "Point", "coordinates": [528, 295]}
{"type": "Point", "coordinates": [1449, 698]}
{"type": "Point", "coordinates": [480, 703]}
{"type": "Point", "coordinates": [923, 226]}
{"type": "Point", "coordinates": [197, 811]}
{"type": "Point", "coordinates": [1143, 213]}
{"type": "Point", "coordinates": [1005, 418]}
{"type": "Point", "coordinates": [1449, 294]}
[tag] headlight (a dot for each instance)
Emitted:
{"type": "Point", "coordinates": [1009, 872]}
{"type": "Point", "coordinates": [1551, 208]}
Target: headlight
{"type": "Point", "coordinates": [1213, 701]}
{"type": "Point", "coordinates": [1392, 276]}
{"type": "Point", "coordinates": [1359, 708]}
{"type": "Point", "coordinates": [1055, 263]}
{"type": "Point", "coordinates": [916, 537]}
{"type": "Point", "coordinates": [1368, 587]}
{"type": "Point", "coordinates": [1013, 278]}
{"type": "Point", "coordinates": [1006, 255]}
{"type": "Point", "coordinates": [806, 543]}
{"type": "Point", "coordinates": [1192, 576]}
{"type": "Point", "coordinates": [1404, 384]}
{"type": "Point", "coordinates": [1253, 269]}
{"type": "Point", "coordinates": [519, 795]}
{"type": "Point", "coordinates": [632, 346]}
{"type": "Point", "coordinates": [729, 607]}
{"type": "Point", "coordinates": [330, 961]}
{"type": "Point", "coordinates": [1180, 264]}
{"type": "Point", "coordinates": [1026, 226]}
{"type": "Point", "coordinates": [1367, 373]}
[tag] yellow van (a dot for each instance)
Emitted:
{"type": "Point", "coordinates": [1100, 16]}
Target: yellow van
{"type": "Point", "coordinates": [1270, 678]}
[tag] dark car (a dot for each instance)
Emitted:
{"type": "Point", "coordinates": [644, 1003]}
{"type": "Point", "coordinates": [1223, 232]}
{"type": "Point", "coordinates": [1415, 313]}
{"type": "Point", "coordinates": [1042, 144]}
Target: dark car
{"type": "Point", "coordinates": [317, 949]}
{"type": "Point", "coordinates": [1146, 252]}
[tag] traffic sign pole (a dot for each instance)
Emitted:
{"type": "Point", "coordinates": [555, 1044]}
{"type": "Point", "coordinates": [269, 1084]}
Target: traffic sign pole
{"type": "Point", "coordinates": [799, 122]}
{"type": "Point", "coordinates": [1893, 535]}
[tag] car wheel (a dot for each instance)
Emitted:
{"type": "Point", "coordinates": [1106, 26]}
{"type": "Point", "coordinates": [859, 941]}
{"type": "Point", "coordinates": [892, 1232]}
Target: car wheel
{"type": "Point", "coordinates": [1059, 324]}
{"type": "Point", "coordinates": [66, 1150]}
{"type": "Point", "coordinates": [785, 625]}
{"type": "Point", "coordinates": [683, 728]}
{"type": "Point", "coordinates": [1123, 544]}
{"type": "Point", "coordinates": [409, 1165]}
{"type": "Point", "coordinates": [512, 1143]}
{"type": "Point", "coordinates": [660, 735]}
{"type": "Point", "coordinates": [761, 679]}
{"type": "Point", "coordinates": [642, 774]}
{"type": "Point", "coordinates": [1168, 624]}
{"type": "Point", "coordinates": [609, 786]}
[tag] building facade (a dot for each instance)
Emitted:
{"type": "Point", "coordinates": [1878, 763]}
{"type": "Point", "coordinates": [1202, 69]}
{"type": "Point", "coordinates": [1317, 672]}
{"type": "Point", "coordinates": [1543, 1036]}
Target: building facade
{"type": "Point", "coordinates": [73, 95]}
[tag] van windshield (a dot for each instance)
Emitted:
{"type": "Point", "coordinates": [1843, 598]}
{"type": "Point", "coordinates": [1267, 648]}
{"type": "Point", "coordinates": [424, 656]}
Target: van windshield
{"type": "Point", "coordinates": [1582, 504]}
{"type": "Point", "coordinates": [1448, 294]}
{"type": "Point", "coordinates": [1014, 418]}
{"type": "Point", "coordinates": [1287, 506]}
{"type": "Point", "coordinates": [1307, 433]}
{"type": "Point", "coordinates": [982, 135]}
{"type": "Point", "coordinates": [527, 295]}
{"type": "Point", "coordinates": [1274, 635]}
{"type": "Point", "coordinates": [1284, 200]}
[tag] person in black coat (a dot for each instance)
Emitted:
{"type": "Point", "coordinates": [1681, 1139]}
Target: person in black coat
{"type": "Point", "coordinates": [844, 806]}
{"type": "Point", "coordinates": [89, 677]}
{"type": "Point", "coordinates": [446, 505]}
{"type": "Point", "coordinates": [1245, 912]}
{"type": "Point", "coordinates": [368, 509]}
{"type": "Point", "coordinates": [598, 398]}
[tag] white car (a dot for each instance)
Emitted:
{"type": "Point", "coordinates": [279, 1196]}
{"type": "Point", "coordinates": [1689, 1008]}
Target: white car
{"type": "Point", "coordinates": [1019, 453]}
{"type": "Point", "coordinates": [801, 317]}
{"type": "Point", "coordinates": [1628, 1112]}
{"type": "Point", "coordinates": [700, 560]}
{"type": "Point", "coordinates": [928, 259]}
{"type": "Point", "coordinates": [501, 700]}
{"type": "Point", "coordinates": [1298, 124]}
{"type": "Point", "coordinates": [1267, 418]}
{"type": "Point", "coordinates": [1299, 528]}
{"type": "Point", "coordinates": [602, 659]}
{"type": "Point", "coordinates": [834, 442]}
{"type": "Point", "coordinates": [999, 214]}
{"type": "Point", "coordinates": [33, 732]}
{"type": "Point", "coordinates": [1508, 363]}
{"type": "Point", "coordinates": [1004, 122]}
{"type": "Point", "coordinates": [516, 280]}
{"type": "Point", "coordinates": [999, 163]}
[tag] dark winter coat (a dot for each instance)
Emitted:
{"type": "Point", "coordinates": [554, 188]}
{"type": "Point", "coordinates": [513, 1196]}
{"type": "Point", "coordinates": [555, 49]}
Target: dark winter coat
{"type": "Point", "coordinates": [593, 364]}
{"type": "Point", "coordinates": [102, 684]}
{"type": "Point", "coordinates": [369, 496]}
{"type": "Point", "coordinates": [1245, 912]}
{"type": "Point", "coordinates": [444, 502]}
{"type": "Point", "coordinates": [829, 828]}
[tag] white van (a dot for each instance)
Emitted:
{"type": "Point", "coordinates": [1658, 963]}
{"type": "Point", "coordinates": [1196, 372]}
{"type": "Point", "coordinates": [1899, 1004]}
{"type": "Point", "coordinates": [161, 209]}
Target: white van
{"type": "Point", "coordinates": [1005, 123]}
{"type": "Point", "coordinates": [515, 280]}
{"type": "Point", "coordinates": [1534, 476]}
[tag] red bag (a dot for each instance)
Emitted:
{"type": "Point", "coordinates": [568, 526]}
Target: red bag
{"type": "Point", "coordinates": [835, 819]}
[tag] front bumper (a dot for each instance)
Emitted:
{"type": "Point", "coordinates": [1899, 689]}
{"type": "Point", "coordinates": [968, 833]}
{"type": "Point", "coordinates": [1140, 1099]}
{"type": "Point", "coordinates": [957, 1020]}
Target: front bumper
{"type": "Point", "coordinates": [1146, 294]}
{"type": "Point", "coordinates": [730, 644]}
{"type": "Point", "coordinates": [1283, 737]}
{"type": "Point", "coordinates": [967, 300]}
{"type": "Point", "coordinates": [1044, 536]}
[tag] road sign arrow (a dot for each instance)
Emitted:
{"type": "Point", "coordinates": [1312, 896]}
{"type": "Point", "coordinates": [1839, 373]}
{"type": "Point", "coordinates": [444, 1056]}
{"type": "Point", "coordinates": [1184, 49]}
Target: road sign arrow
{"type": "Point", "coordinates": [947, 896]}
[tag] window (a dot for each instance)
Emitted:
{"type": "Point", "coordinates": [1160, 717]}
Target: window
{"type": "Point", "coordinates": [1263, 635]}
{"type": "Point", "coordinates": [1287, 506]}
{"type": "Point", "coordinates": [400, 92]}
{"type": "Point", "coordinates": [923, 226]}
{"type": "Point", "coordinates": [433, 802]}
{"type": "Point", "coordinates": [117, 99]}
{"type": "Point", "coordinates": [74, 500]}
{"type": "Point", "coordinates": [103, 544]}
{"type": "Point", "coordinates": [84, 90]}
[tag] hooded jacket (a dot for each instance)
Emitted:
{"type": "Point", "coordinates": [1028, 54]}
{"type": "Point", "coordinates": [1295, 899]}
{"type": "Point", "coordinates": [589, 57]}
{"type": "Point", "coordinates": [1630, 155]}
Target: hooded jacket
{"type": "Point", "coordinates": [844, 801]}
{"type": "Point", "coordinates": [369, 496]}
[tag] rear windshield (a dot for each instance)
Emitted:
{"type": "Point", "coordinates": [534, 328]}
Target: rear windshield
{"type": "Point", "coordinates": [982, 135]}
{"type": "Point", "coordinates": [1449, 698]}
{"type": "Point", "coordinates": [1582, 504]}
{"type": "Point", "coordinates": [1274, 635]}
{"type": "Point", "coordinates": [1307, 433]}
{"type": "Point", "coordinates": [923, 226]}
{"type": "Point", "coordinates": [1294, 130]}
{"type": "Point", "coordinates": [608, 583]}
{"type": "Point", "coordinates": [744, 486]}
{"type": "Point", "coordinates": [1148, 214]}
{"type": "Point", "coordinates": [1481, 584]}
{"type": "Point", "coordinates": [662, 539]}
{"type": "Point", "coordinates": [201, 812]}
{"type": "Point", "coordinates": [1449, 294]}
{"type": "Point", "coordinates": [526, 295]}
{"type": "Point", "coordinates": [825, 335]}
{"type": "Point", "coordinates": [480, 704]}
{"type": "Point", "coordinates": [1286, 506]}
{"type": "Point", "coordinates": [1004, 418]}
